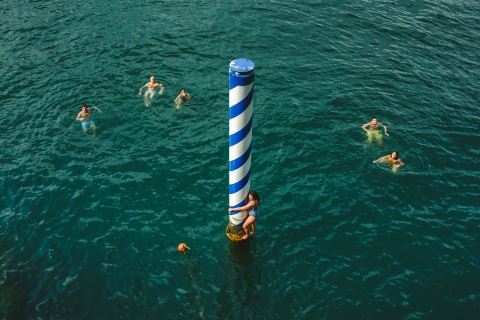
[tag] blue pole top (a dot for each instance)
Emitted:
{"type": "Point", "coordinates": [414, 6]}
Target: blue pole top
{"type": "Point", "coordinates": [242, 65]}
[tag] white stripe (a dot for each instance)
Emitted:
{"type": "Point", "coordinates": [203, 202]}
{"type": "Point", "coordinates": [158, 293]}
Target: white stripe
{"type": "Point", "coordinates": [237, 175]}
{"type": "Point", "coordinates": [239, 122]}
{"type": "Point", "coordinates": [238, 93]}
{"type": "Point", "coordinates": [237, 197]}
{"type": "Point", "coordinates": [236, 219]}
{"type": "Point", "coordinates": [239, 149]}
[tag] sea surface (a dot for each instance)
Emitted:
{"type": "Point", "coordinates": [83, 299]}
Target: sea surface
{"type": "Point", "coordinates": [89, 224]}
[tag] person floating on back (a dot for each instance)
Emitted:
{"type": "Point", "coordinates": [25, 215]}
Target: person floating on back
{"type": "Point", "coordinates": [182, 97]}
{"type": "Point", "coordinates": [373, 131]}
{"type": "Point", "coordinates": [152, 85]}
{"type": "Point", "coordinates": [393, 159]}
{"type": "Point", "coordinates": [86, 117]}
{"type": "Point", "coordinates": [253, 212]}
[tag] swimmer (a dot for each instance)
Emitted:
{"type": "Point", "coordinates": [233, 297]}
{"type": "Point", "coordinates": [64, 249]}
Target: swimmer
{"type": "Point", "coordinates": [151, 90]}
{"type": "Point", "coordinates": [373, 131]}
{"type": "Point", "coordinates": [86, 117]}
{"type": "Point", "coordinates": [393, 159]}
{"type": "Point", "coordinates": [253, 212]}
{"type": "Point", "coordinates": [182, 97]}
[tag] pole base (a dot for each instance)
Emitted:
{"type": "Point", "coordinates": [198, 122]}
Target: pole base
{"type": "Point", "coordinates": [235, 233]}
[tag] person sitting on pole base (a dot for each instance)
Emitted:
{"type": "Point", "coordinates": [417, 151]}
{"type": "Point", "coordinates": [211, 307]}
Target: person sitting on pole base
{"type": "Point", "coordinates": [253, 212]}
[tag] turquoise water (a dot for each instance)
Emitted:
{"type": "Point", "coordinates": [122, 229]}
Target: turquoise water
{"type": "Point", "coordinates": [89, 225]}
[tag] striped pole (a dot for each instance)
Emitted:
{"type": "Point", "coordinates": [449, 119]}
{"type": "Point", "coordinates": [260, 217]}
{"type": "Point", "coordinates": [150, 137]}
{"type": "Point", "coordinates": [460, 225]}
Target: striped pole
{"type": "Point", "coordinates": [240, 130]}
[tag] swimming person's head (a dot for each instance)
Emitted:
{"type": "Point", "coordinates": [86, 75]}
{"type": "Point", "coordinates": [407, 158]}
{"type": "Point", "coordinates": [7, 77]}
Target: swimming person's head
{"type": "Point", "coordinates": [182, 90]}
{"type": "Point", "coordinates": [152, 79]}
{"type": "Point", "coordinates": [252, 195]}
{"type": "Point", "coordinates": [395, 155]}
{"type": "Point", "coordinates": [84, 108]}
{"type": "Point", "coordinates": [374, 120]}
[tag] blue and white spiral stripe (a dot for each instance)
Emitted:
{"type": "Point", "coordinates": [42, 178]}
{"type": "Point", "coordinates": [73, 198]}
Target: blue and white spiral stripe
{"type": "Point", "coordinates": [240, 131]}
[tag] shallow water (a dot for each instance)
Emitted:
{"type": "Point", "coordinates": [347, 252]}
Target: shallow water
{"type": "Point", "coordinates": [90, 224]}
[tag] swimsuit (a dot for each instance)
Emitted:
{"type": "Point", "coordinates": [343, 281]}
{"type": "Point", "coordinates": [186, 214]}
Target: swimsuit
{"type": "Point", "coordinates": [88, 124]}
{"type": "Point", "coordinates": [181, 100]}
{"type": "Point", "coordinates": [150, 92]}
{"type": "Point", "coordinates": [254, 212]}
{"type": "Point", "coordinates": [374, 133]}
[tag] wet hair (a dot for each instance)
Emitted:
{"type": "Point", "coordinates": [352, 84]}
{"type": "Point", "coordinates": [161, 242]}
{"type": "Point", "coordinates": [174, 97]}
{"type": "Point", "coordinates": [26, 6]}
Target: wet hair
{"type": "Point", "coordinates": [255, 196]}
{"type": "Point", "coordinates": [182, 89]}
{"type": "Point", "coordinates": [85, 106]}
{"type": "Point", "coordinates": [397, 155]}
{"type": "Point", "coordinates": [374, 118]}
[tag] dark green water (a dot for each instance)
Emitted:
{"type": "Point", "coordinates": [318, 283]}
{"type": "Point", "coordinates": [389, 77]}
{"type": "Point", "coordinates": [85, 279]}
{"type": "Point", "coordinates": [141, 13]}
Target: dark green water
{"type": "Point", "coordinates": [89, 225]}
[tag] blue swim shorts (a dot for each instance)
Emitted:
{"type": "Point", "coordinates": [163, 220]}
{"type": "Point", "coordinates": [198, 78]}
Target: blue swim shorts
{"type": "Point", "coordinates": [88, 124]}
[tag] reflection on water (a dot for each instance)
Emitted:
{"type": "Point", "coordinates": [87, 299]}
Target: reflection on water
{"type": "Point", "coordinates": [242, 253]}
{"type": "Point", "coordinates": [239, 295]}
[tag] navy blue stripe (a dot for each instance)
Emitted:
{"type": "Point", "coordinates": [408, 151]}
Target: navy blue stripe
{"type": "Point", "coordinates": [233, 188]}
{"type": "Point", "coordinates": [241, 204]}
{"type": "Point", "coordinates": [241, 224]}
{"type": "Point", "coordinates": [240, 80]}
{"type": "Point", "coordinates": [240, 161]}
{"type": "Point", "coordinates": [237, 109]}
{"type": "Point", "coordinates": [240, 135]}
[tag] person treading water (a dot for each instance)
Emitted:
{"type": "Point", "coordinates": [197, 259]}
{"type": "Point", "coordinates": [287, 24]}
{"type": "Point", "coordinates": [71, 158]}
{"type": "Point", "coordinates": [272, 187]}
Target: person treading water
{"type": "Point", "coordinates": [86, 117]}
{"type": "Point", "coordinates": [152, 85]}
{"type": "Point", "coordinates": [182, 97]}
{"type": "Point", "coordinates": [373, 131]}
{"type": "Point", "coordinates": [393, 159]}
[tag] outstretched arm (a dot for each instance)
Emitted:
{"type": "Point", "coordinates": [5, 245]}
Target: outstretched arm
{"type": "Point", "coordinates": [380, 159]}
{"type": "Point", "coordinates": [97, 109]}
{"type": "Point", "coordinates": [187, 96]}
{"type": "Point", "coordinates": [161, 89]}
{"type": "Point", "coordinates": [140, 90]}
{"type": "Point", "coordinates": [245, 207]}
{"type": "Point", "coordinates": [364, 127]}
{"type": "Point", "coordinates": [384, 128]}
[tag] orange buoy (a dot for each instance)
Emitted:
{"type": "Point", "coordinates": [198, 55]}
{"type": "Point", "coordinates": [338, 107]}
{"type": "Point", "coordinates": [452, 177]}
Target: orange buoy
{"type": "Point", "coordinates": [182, 247]}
